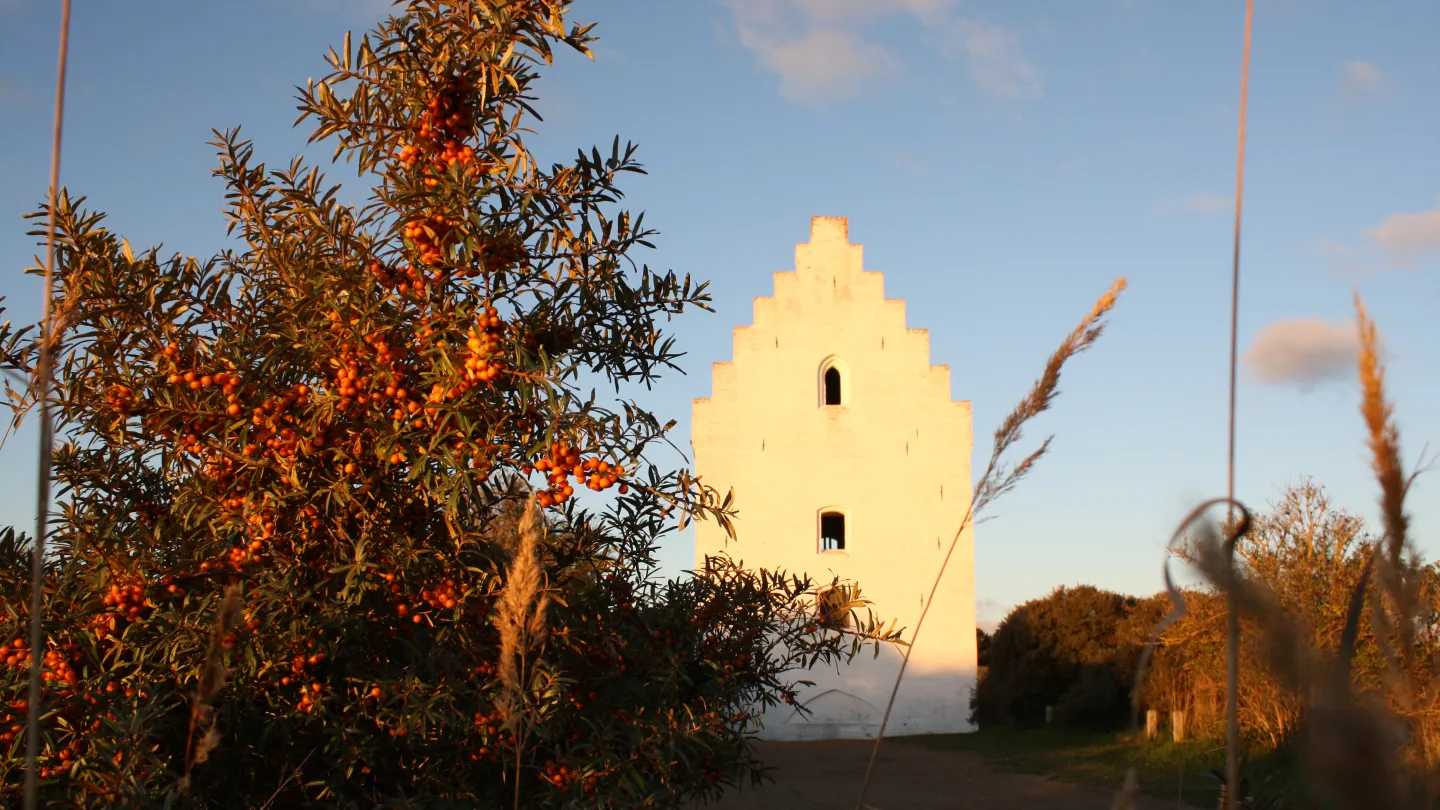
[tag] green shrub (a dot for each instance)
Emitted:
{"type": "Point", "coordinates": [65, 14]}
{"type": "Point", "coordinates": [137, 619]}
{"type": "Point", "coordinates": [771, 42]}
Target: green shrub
{"type": "Point", "coordinates": [295, 566]}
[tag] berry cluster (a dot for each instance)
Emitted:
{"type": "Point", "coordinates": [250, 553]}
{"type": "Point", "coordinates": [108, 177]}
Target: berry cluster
{"type": "Point", "coordinates": [121, 399]}
{"type": "Point", "coordinates": [196, 422]}
{"type": "Point", "coordinates": [407, 279]}
{"type": "Point", "coordinates": [483, 364]}
{"type": "Point", "coordinates": [12, 720]}
{"type": "Point", "coordinates": [431, 234]}
{"type": "Point", "coordinates": [303, 668]}
{"type": "Point", "coordinates": [16, 654]}
{"type": "Point", "coordinates": [496, 738]}
{"type": "Point", "coordinates": [310, 696]}
{"type": "Point", "coordinates": [444, 596]}
{"type": "Point", "coordinates": [498, 253]}
{"type": "Point", "coordinates": [450, 114]}
{"type": "Point", "coordinates": [125, 601]}
{"type": "Point", "coordinates": [380, 379]}
{"type": "Point", "coordinates": [60, 667]}
{"type": "Point", "coordinates": [564, 462]}
{"type": "Point", "coordinates": [483, 359]}
{"type": "Point", "coordinates": [559, 775]}
{"type": "Point", "coordinates": [452, 154]}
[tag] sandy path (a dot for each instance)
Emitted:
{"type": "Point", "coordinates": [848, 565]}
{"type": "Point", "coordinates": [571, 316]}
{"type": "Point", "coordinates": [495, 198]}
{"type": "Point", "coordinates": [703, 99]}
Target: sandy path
{"type": "Point", "coordinates": [826, 776]}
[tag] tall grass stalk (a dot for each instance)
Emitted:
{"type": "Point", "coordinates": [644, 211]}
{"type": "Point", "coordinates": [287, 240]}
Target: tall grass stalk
{"type": "Point", "coordinates": [999, 478]}
{"type": "Point", "coordinates": [1232, 652]}
{"type": "Point", "coordinates": [43, 374]}
{"type": "Point", "coordinates": [520, 618]}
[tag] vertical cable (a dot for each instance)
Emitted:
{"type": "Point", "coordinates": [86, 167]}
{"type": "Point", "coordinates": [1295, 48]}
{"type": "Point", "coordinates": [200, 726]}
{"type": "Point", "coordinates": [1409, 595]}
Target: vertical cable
{"type": "Point", "coordinates": [1232, 653]}
{"type": "Point", "coordinates": [43, 374]}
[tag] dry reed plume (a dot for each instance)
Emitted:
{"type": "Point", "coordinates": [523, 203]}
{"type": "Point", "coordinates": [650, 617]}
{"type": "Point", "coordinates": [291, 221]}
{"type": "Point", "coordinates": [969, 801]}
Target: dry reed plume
{"type": "Point", "coordinates": [520, 618]}
{"type": "Point", "coordinates": [213, 676]}
{"type": "Point", "coordinates": [1411, 682]}
{"type": "Point", "coordinates": [999, 479]}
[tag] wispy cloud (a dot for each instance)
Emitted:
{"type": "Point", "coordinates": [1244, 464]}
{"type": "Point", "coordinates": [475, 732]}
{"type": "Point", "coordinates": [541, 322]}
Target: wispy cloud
{"type": "Point", "coordinates": [820, 50]}
{"type": "Point", "coordinates": [1401, 240]}
{"type": "Point", "coordinates": [1302, 352]}
{"type": "Point", "coordinates": [996, 63]}
{"type": "Point", "coordinates": [1359, 80]}
{"type": "Point", "coordinates": [1407, 239]}
{"type": "Point", "coordinates": [823, 63]}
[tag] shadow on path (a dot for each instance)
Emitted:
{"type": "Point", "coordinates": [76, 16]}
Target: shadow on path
{"type": "Point", "coordinates": [825, 775]}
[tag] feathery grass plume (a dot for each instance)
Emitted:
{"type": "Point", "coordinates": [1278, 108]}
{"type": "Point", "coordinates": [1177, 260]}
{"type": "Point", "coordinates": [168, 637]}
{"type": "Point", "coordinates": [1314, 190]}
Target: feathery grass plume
{"type": "Point", "coordinates": [998, 479]}
{"type": "Point", "coordinates": [1384, 438]}
{"type": "Point", "coordinates": [213, 676]}
{"type": "Point", "coordinates": [520, 618]}
{"type": "Point", "coordinates": [1398, 570]}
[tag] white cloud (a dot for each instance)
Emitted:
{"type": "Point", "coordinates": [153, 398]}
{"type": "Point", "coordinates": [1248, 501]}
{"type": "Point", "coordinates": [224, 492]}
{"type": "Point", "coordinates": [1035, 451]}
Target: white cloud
{"type": "Point", "coordinates": [1406, 238]}
{"type": "Point", "coordinates": [1400, 240]}
{"type": "Point", "coordinates": [820, 51]}
{"type": "Point", "coordinates": [823, 63]}
{"type": "Point", "coordinates": [1362, 80]}
{"type": "Point", "coordinates": [1303, 352]}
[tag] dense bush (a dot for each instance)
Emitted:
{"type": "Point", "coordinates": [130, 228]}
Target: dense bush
{"type": "Point", "coordinates": [296, 567]}
{"type": "Point", "coordinates": [1077, 649]}
{"type": "Point", "coordinates": [1064, 651]}
{"type": "Point", "coordinates": [1308, 555]}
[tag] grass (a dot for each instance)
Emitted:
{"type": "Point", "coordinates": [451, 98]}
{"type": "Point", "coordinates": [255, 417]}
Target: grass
{"type": "Point", "coordinates": [1099, 760]}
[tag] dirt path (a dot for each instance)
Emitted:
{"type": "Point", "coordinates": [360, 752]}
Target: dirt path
{"type": "Point", "coordinates": [826, 776]}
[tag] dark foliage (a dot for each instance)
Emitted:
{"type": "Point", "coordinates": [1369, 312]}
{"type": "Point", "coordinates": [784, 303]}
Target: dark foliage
{"type": "Point", "coordinates": [1064, 651]}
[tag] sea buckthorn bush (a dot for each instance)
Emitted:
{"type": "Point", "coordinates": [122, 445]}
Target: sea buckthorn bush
{"type": "Point", "coordinates": [290, 476]}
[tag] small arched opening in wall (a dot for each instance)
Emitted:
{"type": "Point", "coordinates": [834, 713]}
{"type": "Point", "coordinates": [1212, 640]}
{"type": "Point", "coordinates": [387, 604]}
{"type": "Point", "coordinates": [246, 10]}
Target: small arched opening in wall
{"type": "Point", "coordinates": [833, 536]}
{"type": "Point", "coordinates": [834, 383]}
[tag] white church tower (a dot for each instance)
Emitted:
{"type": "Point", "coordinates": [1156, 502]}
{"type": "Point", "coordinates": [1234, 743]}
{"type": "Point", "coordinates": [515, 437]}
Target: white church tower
{"type": "Point", "coordinates": [848, 458]}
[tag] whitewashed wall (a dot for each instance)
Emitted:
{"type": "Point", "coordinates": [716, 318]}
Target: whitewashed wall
{"type": "Point", "coordinates": [894, 458]}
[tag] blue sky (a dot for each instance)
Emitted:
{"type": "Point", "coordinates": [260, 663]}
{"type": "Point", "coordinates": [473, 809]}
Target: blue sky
{"type": "Point", "coordinates": [1000, 162]}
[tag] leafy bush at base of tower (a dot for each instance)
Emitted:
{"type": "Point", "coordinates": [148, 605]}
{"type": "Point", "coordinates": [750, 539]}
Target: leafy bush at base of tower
{"type": "Point", "coordinates": [293, 477]}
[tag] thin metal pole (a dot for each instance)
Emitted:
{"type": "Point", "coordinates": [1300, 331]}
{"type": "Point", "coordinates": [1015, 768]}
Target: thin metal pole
{"type": "Point", "coordinates": [43, 375]}
{"type": "Point", "coordinates": [1232, 654]}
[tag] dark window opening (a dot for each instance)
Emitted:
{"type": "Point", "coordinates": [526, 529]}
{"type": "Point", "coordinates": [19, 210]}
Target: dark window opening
{"type": "Point", "coordinates": [832, 386]}
{"type": "Point", "coordinates": [832, 532]}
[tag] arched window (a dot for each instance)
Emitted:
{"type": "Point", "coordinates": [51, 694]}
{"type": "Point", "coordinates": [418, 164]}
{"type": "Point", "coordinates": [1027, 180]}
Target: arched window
{"type": "Point", "coordinates": [832, 531]}
{"type": "Point", "coordinates": [834, 383]}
